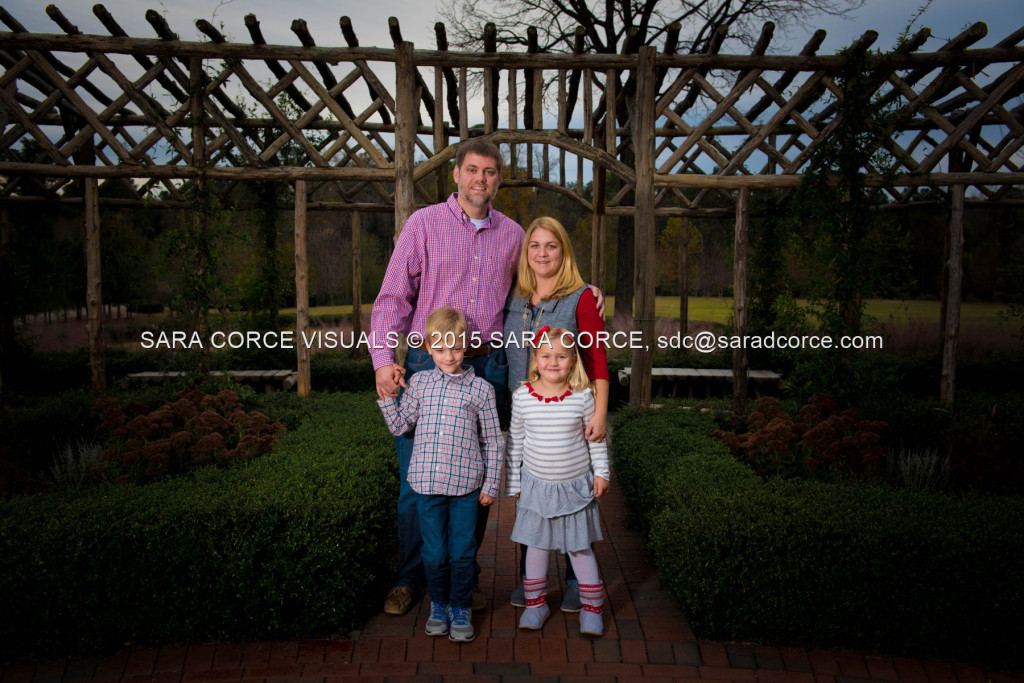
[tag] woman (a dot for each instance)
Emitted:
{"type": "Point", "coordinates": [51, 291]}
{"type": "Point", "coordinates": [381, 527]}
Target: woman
{"type": "Point", "coordinates": [551, 293]}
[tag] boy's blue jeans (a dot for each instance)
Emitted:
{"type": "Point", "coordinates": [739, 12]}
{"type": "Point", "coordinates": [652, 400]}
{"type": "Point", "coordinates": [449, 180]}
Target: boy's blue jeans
{"type": "Point", "coordinates": [448, 524]}
{"type": "Point", "coordinates": [493, 367]}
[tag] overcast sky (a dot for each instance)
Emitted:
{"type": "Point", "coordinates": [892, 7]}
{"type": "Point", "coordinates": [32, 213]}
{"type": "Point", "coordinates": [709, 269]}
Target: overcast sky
{"type": "Point", "coordinates": [945, 17]}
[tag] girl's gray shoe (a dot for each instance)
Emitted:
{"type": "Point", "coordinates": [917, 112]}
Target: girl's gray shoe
{"type": "Point", "coordinates": [534, 617]}
{"type": "Point", "coordinates": [518, 597]}
{"type": "Point", "coordinates": [571, 599]}
{"type": "Point", "coordinates": [591, 623]}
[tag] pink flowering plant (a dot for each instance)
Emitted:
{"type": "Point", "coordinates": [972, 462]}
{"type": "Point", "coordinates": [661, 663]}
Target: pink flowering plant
{"type": "Point", "coordinates": [819, 441]}
{"type": "Point", "coordinates": [195, 430]}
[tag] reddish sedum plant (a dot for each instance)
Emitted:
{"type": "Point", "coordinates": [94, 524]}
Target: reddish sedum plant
{"type": "Point", "coordinates": [820, 441]}
{"type": "Point", "coordinates": [196, 430]}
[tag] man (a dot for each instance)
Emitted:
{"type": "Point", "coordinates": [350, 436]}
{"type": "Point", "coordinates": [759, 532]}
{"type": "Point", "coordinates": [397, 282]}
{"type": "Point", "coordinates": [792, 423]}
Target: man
{"type": "Point", "coordinates": [460, 253]}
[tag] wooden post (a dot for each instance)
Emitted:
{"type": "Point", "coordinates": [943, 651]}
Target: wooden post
{"type": "Point", "coordinates": [463, 103]}
{"type": "Point", "coordinates": [301, 289]}
{"type": "Point", "coordinates": [955, 268]}
{"type": "Point", "coordinates": [597, 232]}
{"type": "Point", "coordinates": [405, 136]}
{"type": "Point", "coordinates": [563, 125]}
{"type": "Point", "coordinates": [94, 285]}
{"type": "Point", "coordinates": [739, 300]}
{"type": "Point", "coordinates": [490, 95]}
{"type": "Point", "coordinates": [513, 121]}
{"type": "Point", "coordinates": [200, 212]}
{"type": "Point", "coordinates": [491, 77]}
{"type": "Point", "coordinates": [610, 109]}
{"type": "Point", "coordinates": [6, 309]}
{"type": "Point", "coordinates": [588, 125]}
{"type": "Point", "coordinates": [643, 274]}
{"type": "Point", "coordinates": [538, 120]}
{"type": "Point", "coordinates": [357, 282]}
{"type": "Point", "coordinates": [440, 136]}
{"type": "Point", "coordinates": [682, 278]}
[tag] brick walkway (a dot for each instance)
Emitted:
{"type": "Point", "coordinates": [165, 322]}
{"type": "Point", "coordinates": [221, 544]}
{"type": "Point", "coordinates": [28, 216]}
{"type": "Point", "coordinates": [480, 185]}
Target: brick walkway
{"type": "Point", "coordinates": [647, 638]}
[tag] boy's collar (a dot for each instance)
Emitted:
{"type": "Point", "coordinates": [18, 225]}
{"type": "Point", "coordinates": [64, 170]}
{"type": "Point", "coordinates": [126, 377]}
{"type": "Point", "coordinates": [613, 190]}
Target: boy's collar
{"type": "Point", "coordinates": [467, 373]}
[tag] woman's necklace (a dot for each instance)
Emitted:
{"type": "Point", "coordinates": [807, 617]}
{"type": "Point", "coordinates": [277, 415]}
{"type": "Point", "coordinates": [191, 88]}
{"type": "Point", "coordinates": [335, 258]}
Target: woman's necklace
{"type": "Point", "coordinates": [536, 320]}
{"type": "Point", "coordinates": [528, 307]}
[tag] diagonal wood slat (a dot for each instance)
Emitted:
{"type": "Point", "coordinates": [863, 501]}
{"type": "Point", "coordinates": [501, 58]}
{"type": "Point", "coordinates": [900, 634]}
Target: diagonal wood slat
{"type": "Point", "coordinates": [341, 115]}
{"type": "Point", "coordinates": [723, 107]}
{"type": "Point", "coordinates": [958, 135]}
{"type": "Point", "coordinates": [28, 125]}
{"type": "Point", "coordinates": [81, 108]}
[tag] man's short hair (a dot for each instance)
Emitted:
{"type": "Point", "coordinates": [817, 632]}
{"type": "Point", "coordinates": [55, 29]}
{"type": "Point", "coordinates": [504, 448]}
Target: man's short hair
{"type": "Point", "coordinates": [484, 148]}
{"type": "Point", "coordinates": [444, 320]}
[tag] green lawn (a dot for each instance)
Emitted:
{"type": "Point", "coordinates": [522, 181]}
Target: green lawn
{"type": "Point", "coordinates": [718, 310]}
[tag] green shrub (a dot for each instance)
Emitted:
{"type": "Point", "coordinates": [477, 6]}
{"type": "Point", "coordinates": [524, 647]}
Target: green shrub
{"type": "Point", "coordinates": [336, 371]}
{"type": "Point", "coordinates": [793, 561]}
{"type": "Point", "coordinates": [295, 544]}
{"type": "Point", "coordinates": [980, 432]}
{"type": "Point", "coordinates": [35, 429]}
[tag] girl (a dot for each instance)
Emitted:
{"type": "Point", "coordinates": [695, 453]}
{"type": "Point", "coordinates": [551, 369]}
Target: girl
{"type": "Point", "coordinates": [556, 474]}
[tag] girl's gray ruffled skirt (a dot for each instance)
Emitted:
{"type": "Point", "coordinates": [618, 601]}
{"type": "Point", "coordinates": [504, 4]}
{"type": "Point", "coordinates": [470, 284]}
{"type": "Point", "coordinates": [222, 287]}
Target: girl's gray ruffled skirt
{"type": "Point", "coordinates": [557, 515]}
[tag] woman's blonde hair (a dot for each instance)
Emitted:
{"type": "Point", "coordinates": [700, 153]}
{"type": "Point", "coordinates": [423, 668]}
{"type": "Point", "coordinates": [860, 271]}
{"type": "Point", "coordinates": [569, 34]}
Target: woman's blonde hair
{"type": "Point", "coordinates": [568, 279]}
{"type": "Point", "coordinates": [578, 379]}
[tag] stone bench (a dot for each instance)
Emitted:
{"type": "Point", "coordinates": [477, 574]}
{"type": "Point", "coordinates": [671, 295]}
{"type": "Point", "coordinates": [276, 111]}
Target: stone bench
{"type": "Point", "coordinates": [266, 381]}
{"type": "Point", "coordinates": [705, 383]}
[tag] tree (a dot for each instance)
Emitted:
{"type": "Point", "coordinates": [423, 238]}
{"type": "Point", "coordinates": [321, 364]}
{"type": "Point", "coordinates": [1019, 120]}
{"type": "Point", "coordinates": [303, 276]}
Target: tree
{"type": "Point", "coordinates": [622, 26]}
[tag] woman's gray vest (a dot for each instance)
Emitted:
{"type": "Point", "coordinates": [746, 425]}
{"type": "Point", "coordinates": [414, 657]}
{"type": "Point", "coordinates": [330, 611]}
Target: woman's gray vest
{"type": "Point", "coordinates": [554, 312]}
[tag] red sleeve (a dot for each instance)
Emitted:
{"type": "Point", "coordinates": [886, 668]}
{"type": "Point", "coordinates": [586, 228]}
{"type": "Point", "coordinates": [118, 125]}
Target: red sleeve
{"type": "Point", "coordinates": [595, 356]}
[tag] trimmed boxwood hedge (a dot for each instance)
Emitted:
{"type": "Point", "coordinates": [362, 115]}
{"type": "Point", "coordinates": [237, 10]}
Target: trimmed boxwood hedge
{"type": "Point", "coordinates": [293, 544]}
{"type": "Point", "coordinates": [849, 565]}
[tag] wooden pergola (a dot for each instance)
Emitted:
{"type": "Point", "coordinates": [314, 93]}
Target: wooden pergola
{"type": "Point", "coordinates": [158, 116]}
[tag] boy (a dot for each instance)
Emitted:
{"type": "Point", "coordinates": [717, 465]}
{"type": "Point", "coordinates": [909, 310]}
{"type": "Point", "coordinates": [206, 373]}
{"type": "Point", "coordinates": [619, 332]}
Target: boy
{"type": "Point", "coordinates": [455, 464]}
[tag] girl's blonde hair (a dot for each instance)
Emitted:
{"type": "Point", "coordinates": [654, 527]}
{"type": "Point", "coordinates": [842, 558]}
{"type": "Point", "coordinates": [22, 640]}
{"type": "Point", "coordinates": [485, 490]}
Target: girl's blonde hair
{"type": "Point", "coordinates": [578, 379]}
{"type": "Point", "coordinates": [569, 278]}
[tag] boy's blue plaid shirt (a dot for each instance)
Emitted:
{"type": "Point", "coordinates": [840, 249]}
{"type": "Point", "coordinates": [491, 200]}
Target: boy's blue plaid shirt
{"type": "Point", "coordinates": [458, 446]}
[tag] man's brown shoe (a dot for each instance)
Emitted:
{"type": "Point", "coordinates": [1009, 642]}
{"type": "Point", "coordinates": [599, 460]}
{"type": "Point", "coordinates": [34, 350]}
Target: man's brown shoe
{"type": "Point", "coordinates": [399, 600]}
{"type": "Point", "coordinates": [479, 603]}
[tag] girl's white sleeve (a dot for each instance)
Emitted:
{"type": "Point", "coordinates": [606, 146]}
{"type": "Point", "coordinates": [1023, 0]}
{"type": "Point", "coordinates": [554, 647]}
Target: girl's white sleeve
{"type": "Point", "coordinates": [598, 451]}
{"type": "Point", "coordinates": [514, 457]}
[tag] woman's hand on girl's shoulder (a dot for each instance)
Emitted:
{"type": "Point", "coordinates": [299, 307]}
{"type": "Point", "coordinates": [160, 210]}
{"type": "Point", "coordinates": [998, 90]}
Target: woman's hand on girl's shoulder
{"type": "Point", "coordinates": [600, 486]}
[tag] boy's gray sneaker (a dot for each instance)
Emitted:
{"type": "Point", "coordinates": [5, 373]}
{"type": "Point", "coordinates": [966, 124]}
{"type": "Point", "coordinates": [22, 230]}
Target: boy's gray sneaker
{"type": "Point", "coordinates": [518, 597]}
{"type": "Point", "coordinates": [461, 629]}
{"type": "Point", "coordinates": [571, 600]}
{"type": "Point", "coordinates": [437, 622]}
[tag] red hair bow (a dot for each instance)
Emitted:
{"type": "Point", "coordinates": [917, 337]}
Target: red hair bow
{"type": "Point", "coordinates": [540, 333]}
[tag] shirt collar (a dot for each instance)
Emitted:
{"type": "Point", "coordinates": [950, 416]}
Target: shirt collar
{"type": "Point", "coordinates": [466, 376]}
{"type": "Point", "coordinates": [456, 208]}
